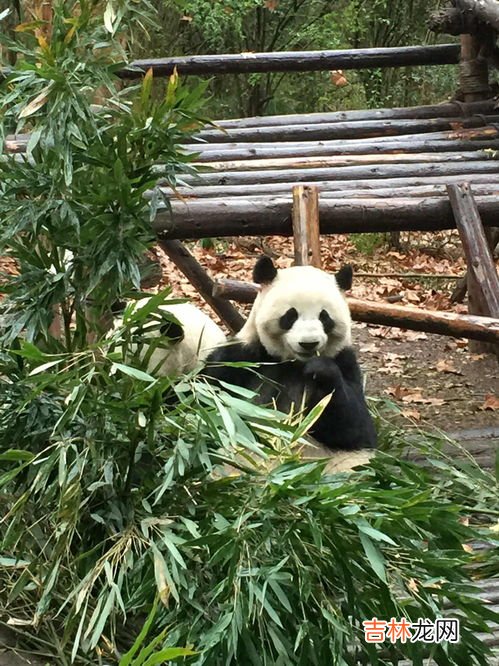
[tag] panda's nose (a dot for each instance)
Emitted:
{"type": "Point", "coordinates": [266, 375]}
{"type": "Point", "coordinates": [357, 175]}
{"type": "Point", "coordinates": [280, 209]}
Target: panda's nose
{"type": "Point", "coordinates": [309, 346]}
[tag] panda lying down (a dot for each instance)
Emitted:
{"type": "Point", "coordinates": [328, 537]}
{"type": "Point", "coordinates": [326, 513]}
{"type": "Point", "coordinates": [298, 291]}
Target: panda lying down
{"type": "Point", "coordinates": [299, 330]}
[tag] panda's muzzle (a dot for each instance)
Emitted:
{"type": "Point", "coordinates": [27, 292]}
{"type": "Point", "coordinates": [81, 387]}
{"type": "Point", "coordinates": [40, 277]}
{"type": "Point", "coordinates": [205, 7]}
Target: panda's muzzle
{"type": "Point", "coordinates": [309, 347]}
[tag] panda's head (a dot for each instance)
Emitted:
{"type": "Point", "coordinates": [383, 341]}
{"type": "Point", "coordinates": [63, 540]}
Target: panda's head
{"type": "Point", "coordinates": [300, 312]}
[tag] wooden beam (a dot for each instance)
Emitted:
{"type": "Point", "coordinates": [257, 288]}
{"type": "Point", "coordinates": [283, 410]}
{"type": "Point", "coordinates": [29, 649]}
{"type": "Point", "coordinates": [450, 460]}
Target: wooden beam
{"type": "Point", "coordinates": [398, 186]}
{"type": "Point", "coordinates": [241, 217]}
{"type": "Point", "coordinates": [440, 323]}
{"type": "Point", "coordinates": [452, 21]}
{"type": "Point", "coordinates": [446, 110]}
{"type": "Point", "coordinates": [343, 130]}
{"type": "Point", "coordinates": [473, 139]}
{"type": "Point", "coordinates": [483, 281]}
{"type": "Point", "coordinates": [418, 191]}
{"type": "Point", "coordinates": [295, 61]}
{"type": "Point", "coordinates": [200, 279]}
{"type": "Point", "coordinates": [305, 219]}
{"type": "Point", "coordinates": [355, 173]}
{"type": "Point", "coordinates": [484, 10]}
{"type": "Point", "coordinates": [343, 160]}
{"type": "Point", "coordinates": [473, 70]}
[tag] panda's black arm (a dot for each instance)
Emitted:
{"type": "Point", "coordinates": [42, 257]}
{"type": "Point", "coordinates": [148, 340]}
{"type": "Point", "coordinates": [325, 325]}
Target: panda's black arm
{"type": "Point", "coordinates": [345, 422]}
{"type": "Point", "coordinates": [347, 362]}
{"type": "Point", "coordinates": [234, 353]}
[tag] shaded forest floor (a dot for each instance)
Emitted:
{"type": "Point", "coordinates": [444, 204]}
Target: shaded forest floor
{"type": "Point", "coordinates": [435, 380]}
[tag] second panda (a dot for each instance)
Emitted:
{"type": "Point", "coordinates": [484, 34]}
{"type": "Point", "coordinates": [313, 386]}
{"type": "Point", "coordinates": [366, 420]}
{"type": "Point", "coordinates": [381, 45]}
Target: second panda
{"type": "Point", "coordinates": [299, 332]}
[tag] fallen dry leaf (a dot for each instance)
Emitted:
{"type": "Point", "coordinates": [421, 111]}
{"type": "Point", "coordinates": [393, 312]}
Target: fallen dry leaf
{"type": "Point", "coordinates": [415, 335]}
{"type": "Point", "coordinates": [412, 585]}
{"type": "Point", "coordinates": [368, 349]}
{"type": "Point", "coordinates": [447, 366]}
{"type": "Point", "coordinates": [411, 414]}
{"type": "Point", "coordinates": [491, 402]}
{"type": "Point", "coordinates": [338, 78]}
{"type": "Point", "coordinates": [412, 395]}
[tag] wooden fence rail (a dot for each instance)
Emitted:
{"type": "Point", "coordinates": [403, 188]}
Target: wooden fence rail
{"type": "Point", "coordinates": [296, 61]}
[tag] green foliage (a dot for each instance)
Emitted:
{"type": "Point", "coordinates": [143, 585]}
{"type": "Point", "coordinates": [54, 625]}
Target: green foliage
{"type": "Point", "coordinates": [73, 212]}
{"type": "Point", "coordinates": [234, 26]}
{"type": "Point", "coordinates": [111, 497]}
{"type": "Point", "coordinates": [367, 243]}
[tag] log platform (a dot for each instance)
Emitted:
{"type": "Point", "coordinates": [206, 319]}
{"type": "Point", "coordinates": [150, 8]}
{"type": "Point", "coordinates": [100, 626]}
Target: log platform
{"type": "Point", "coordinates": [379, 170]}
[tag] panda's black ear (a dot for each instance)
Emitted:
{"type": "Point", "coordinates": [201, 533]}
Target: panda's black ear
{"type": "Point", "coordinates": [264, 271]}
{"type": "Point", "coordinates": [344, 277]}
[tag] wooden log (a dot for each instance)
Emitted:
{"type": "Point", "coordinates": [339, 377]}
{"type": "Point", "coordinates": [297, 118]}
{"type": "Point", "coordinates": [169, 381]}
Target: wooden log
{"type": "Point", "coordinates": [440, 323]}
{"type": "Point", "coordinates": [323, 161]}
{"type": "Point", "coordinates": [452, 21]}
{"type": "Point", "coordinates": [449, 140]}
{"type": "Point", "coordinates": [473, 70]}
{"type": "Point", "coordinates": [207, 219]}
{"type": "Point", "coordinates": [305, 220]}
{"type": "Point", "coordinates": [356, 173]}
{"type": "Point", "coordinates": [486, 11]}
{"type": "Point", "coordinates": [419, 192]}
{"type": "Point", "coordinates": [295, 61]}
{"type": "Point", "coordinates": [343, 187]}
{"type": "Point", "coordinates": [492, 235]}
{"type": "Point", "coordinates": [226, 152]}
{"type": "Point", "coordinates": [448, 109]}
{"type": "Point", "coordinates": [483, 281]}
{"type": "Point", "coordinates": [343, 130]}
{"type": "Point", "coordinates": [200, 279]}
{"type": "Point", "coordinates": [455, 134]}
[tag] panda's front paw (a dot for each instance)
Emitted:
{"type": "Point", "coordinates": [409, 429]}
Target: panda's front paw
{"type": "Point", "coordinates": [324, 371]}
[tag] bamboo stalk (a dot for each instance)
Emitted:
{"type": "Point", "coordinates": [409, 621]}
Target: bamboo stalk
{"type": "Point", "coordinates": [441, 323]}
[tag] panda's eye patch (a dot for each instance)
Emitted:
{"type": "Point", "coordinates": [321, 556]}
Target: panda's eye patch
{"type": "Point", "coordinates": [172, 331]}
{"type": "Point", "coordinates": [326, 321]}
{"type": "Point", "coordinates": [288, 319]}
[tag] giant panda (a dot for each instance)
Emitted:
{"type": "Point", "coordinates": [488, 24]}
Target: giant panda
{"type": "Point", "coordinates": [173, 339]}
{"type": "Point", "coordinates": [299, 332]}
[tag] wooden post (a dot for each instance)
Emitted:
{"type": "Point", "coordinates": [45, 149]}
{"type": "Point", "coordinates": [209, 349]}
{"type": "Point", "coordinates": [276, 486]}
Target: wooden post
{"type": "Point", "coordinates": [474, 71]}
{"type": "Point", "coordinates": [305, 217]}
{"type": "Point", "coordinates": [200, 279]}
{"type": "Point", "coordinates": [483, 281]}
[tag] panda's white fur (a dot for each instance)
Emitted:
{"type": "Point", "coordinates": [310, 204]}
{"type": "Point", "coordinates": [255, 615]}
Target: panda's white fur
{"type": "Point", "coordinates": [309, 290]}
{"type": "Point", "coordinates": [176, 357]}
